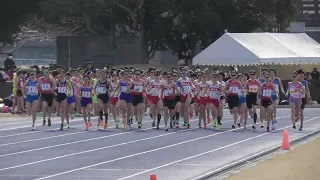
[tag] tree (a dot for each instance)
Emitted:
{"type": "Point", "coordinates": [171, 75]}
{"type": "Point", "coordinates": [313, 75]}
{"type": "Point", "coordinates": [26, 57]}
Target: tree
{"type": "Point", "coordinates": [13, 14]}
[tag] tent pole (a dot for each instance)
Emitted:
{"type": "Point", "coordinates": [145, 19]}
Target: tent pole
{"type": "Point", "coordinates": [260, 69]}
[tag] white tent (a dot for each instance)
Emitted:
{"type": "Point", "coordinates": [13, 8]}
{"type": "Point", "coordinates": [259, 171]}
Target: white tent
{"type": "Point", "coordinates": [260, 48]}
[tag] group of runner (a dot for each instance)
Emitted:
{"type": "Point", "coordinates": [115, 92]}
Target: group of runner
{"type": "Point", "coordinates": [180, 93]}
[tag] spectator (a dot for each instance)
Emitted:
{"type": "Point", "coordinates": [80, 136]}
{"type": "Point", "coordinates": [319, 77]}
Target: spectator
{"type": "Point", "coordinates": [88, 66]}
{"type": "Point", "coordinates": [9, 62]}
{"type": "Point", "coordinates": [315, 74]}
{"type": "Point", "coordinates": [3, 76]}
{"type": "Point", "coordinates": [11, 71]}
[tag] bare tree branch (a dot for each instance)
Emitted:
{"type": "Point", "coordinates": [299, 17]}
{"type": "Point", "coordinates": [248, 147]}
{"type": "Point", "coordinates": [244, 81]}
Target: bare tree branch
{"type": "Point", "coordinates": [88, 25]}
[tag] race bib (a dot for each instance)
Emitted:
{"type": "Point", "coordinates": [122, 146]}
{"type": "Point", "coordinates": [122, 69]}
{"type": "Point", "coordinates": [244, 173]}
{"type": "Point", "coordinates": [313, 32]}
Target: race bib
{"type": "Point", "coordinates": [266, 93]}
{"type": "Point", "coordinates": [234, 89]}
{"type": "Point", "coordinates": [46, 87]}
{"type": "Point", "coordinates": [138, 88]}
{"type": "Point", "coordinates": [253, 89]}
{"type": "Point", "coordinates": [168, 92]}
{"type": "Point", "coordinates": [124, 88]}
{"type": "Point", "coordinates": [86, 94]}
{"type": "Point", "coordinates": [101, 90]}
{"type": "Point", "coordinates": [32, 90]}
{"type": "Point", "coordinates": [202, 93]}
{"type": "Point", "coordinates": [187, 88]}
{"type": "Point", "coordinates": [155, 91]}
{"type": "Point", "coordinates": [214, 94]}
{"type": "Point", "coordinates": [62, 89]}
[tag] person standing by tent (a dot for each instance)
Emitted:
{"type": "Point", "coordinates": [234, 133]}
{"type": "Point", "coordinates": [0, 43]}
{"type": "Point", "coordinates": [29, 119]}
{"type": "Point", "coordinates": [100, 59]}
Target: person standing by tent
{"type": "Point", "coordinates": [9, 62]}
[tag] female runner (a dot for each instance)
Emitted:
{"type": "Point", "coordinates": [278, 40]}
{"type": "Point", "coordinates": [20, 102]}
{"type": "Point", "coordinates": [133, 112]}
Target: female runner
{"type": "Point", "coordinates": [101, 89]}
{"type": "Point", "coordinates": [233, 87]}
{"type": "Point", "coordinates": [265, 92]}
{"type": "Point", "coordinates": [295, 89]}
{"type": "Point", "coordinates": [170, 89]}
{"type": "Point", "coordinates": [85, 92]}
{"type": "Point", "coordinates": [31, 96]}
{"type": "Point", "coordinates": [156, 87]}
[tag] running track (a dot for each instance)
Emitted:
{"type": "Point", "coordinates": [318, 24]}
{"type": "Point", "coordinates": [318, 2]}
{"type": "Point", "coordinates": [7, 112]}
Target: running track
{"type": "Point", "coordinates": [180, 154]}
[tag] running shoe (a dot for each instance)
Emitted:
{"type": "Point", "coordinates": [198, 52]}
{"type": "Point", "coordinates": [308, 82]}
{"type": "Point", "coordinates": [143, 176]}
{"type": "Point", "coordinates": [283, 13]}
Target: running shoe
{"type": "Point", "coordinates": [239, 125]}
{"type": "Point", "coordinates": [204, 126]}
{"type": "Point", "coordinates": [126, 127]}
{"type": "Point", "coordinates": [44, 122]}
{"type": "Point", "coordinates": [153, 124]}
{"type": "Point", "coordinates": [300, 129]}
{"type": "Point", "coordinates": [87, 127]}
{"type": "Point", "coordinates": [105, 126]}
{"type": "Point", "coordinates": [268, 130]}
{"type": "Point", "coordinates": [33, 128]}
{"type": "Point", "coordinates": [167, 129]}
{"type": "Point", "coordinates": [208, 120]}
{"type": "Point", "coordinates": [101, 122]}
{"type": "Point", "coordinates": [233, 126]}
{"type": "Point", "coordinates": [89, 124]}
{"type": "Point", "coordinates": [137, 119]}
{"type": "Point", "coordinates": [273, 127]}
{"type": "Point", "coordinates": [139, 125]}
{"type": "Point", "coordinates": [245, 125]}
{"type": "Point", "coordinates": [61, 127]}
{"type": "Point", "coordinates": [49, 122]}
{"type": "Point", "coordinates": [188, 125]}
{"type": "Point", "coordinates": [68, 126]}
{"type": "Point", "coordinates": [262, 125]}
{"type": "Point", "coordinates": [214, 122]}
{"type": "Point", "coordinates": [218, 127]}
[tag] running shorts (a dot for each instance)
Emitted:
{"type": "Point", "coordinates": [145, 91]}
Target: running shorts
{"type": "Point", "coordinates": [137, 99]}
{"type": "Point", "coordinates": [31, 98]}
{"type": "Point", "coordinates": [47, 98]}
{"type": "Point", "coordinates": [251, 100]}
{"type": "Point", "coordinates": [266, 102]}
{"type": "Point", "coordinates": [233, 101]}
{"type": "Point", "coordinates": [85, 101]}
{"type": "Point", "coordinates": [215, 102]}
{"type": "Point", "coordinates": [71, 100]}
{"type": "Point", "coordinates": [104, 98]}
{"type": "Point", "coordinates": [126, 97]}
{"type": "Point", "coordinates": [170, 103]}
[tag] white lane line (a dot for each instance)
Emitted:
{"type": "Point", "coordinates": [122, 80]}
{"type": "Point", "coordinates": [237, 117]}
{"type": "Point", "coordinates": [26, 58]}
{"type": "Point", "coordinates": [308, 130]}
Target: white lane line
{"type": "Point", "coordinates": [32, 132]}
{"type": "Point", "coordinates": [62, 135]}
{"type": "Point", "coordinates": [31, 140]}
{"type": "Point", "coordinates": [102, 148]}
{"type": "Point", "coordinates": [116, 169]}
{"type": "Point", "coordinates": [138, 154]}
{"type": "Point", "coordinates": [53, 122]}
{"type": "Point", "coordinates": [208, 152]}
{"type": "Point", "coordinates": [65, 144]}
{"type": "Point", "coordinates": [107, 147]}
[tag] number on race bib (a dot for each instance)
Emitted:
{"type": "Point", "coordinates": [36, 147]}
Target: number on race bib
{"type": "Point", "coordinates": [155, 91]}
{"type": "Point", "coordinates": [101, 90]}
{"type": "Point", "coordinates": [46, 87]}
{"type": "Point", "coordinates": [253, 89]}
{"type": "Point", "coordinates": [138, 88]}
{"type": "Point", "coordinates": [168, 92]}
{"type": "Point", "coordinates": [62, 89]}
{"type": "Point", "coordinates": [214, 94]}
{"type": "Point", "coordinates": [266, 93]}
{"type": "Point", "coordinates": [233, 89]}
{"type": "Point", "coordinates": [32, 90]}
{"type": "Point", "coordinates": [86, 94]}
{"type": "Point", "coordinates": [124, 88]}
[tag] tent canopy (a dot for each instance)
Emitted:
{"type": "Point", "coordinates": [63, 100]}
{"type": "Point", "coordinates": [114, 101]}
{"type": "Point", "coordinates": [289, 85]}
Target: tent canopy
{"type": "Point", "coordinates": [260, 48]}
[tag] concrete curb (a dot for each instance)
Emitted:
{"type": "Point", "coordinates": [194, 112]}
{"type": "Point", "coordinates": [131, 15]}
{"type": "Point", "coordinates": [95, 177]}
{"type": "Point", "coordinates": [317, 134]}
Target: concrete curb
{"type": "Point", "coordinates": [227, 169]}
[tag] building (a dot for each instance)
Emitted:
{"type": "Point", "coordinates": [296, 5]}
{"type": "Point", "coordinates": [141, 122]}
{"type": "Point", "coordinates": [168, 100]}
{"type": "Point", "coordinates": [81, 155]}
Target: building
{"type": "Point", "coordinates": [309, 12]}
